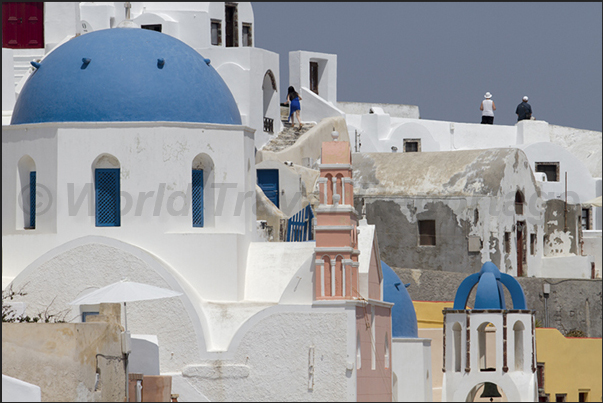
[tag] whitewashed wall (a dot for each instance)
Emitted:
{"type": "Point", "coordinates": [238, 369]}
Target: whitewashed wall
{"type": "Point", "coordinates": [412, 383]}
{"type": "Point", "coordinates": [156, 164]}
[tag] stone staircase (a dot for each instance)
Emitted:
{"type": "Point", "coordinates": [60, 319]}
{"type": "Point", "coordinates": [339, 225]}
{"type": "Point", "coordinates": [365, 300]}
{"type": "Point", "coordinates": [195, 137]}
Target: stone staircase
{"type": "Point", "coordinates": [289, 135]}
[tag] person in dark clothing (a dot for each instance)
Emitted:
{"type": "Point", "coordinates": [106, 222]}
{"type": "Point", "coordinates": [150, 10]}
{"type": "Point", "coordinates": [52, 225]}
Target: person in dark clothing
{"type": "Point", "coordinates": [523, 110]}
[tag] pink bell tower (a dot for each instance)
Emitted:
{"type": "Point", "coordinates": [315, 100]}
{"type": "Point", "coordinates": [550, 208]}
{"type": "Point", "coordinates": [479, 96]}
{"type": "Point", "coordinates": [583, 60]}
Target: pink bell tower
{"type": "Point", "coordinates": [336, 224]}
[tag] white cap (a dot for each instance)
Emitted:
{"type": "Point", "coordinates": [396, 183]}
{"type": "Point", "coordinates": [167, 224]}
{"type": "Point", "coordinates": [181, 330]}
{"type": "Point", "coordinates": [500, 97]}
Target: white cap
{"type": "Point", "coordinates": [488, 95]}
{"type": "Point", "coordinates": [525, 98]}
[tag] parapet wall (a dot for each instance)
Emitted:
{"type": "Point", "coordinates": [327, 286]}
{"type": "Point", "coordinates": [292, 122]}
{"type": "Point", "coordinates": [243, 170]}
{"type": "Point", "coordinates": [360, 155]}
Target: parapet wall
{"type": "Point", "coordinates": [394, 110]}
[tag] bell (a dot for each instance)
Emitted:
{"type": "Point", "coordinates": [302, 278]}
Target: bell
{"type": "Point", "coordinates": [490, 390]}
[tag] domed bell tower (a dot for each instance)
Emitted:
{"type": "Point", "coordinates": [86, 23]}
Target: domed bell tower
{"type": "Point", "coordinates": [489, 351]}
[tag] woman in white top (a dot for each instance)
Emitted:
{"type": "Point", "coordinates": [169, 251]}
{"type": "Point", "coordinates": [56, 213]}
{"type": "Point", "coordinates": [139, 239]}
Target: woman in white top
{"type": "Point", "coordinates": [487, 107]}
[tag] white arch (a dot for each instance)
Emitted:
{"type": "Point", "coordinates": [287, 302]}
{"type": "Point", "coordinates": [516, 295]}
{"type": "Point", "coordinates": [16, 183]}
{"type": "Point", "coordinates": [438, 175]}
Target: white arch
{"type": "Point", "coordinates": [466, 387]}
{"type": "Point", "coordinates": [173, 279]}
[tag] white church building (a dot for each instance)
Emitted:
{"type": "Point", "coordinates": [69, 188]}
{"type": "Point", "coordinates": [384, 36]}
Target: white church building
{"type": "Point", "coordinates": [127, 158]}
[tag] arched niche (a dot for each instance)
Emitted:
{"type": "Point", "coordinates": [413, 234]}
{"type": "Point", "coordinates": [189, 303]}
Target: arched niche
{"type": "Point", "coordinates": [486, 338]}
{"type": "Point", "coordinates": [518, 337]}
{"type": "Point", "coordinates": [457, 346]}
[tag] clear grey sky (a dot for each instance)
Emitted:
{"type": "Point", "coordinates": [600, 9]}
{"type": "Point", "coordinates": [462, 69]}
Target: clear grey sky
{"type": "Point", "coordinates": [443, 57]}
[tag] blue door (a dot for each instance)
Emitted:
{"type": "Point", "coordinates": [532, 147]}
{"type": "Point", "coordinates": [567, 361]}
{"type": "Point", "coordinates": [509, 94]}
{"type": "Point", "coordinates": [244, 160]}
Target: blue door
{"type": "Point", "coordinates": [268, 181]}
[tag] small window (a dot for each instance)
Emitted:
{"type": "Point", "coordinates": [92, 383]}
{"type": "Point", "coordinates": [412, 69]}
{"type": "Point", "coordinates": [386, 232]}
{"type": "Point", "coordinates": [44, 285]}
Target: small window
{"type": "Point", "coordinates": [533, 244]}
{"type": "Point", "coordinates": [107, 197]}
{"type": "Point", "coordinates": [247, 40]}
{"type": "Point", "coordinates": [216, 32]}
{"type": "Point", "coordinates": [583, 396]}
{"type": "Point", "coordinates": [152, 27]}
{"type": "Point", "coordinates": [507, 242]}
{"type": "Point", "coordinates": [550, 169]}
{"type": "Point", "coordinates": [561, 397]}
{"type": "Point", "coordinates": [86, 314]}
{"type": "Point", "coordinates": [32, 200]}
{"type": "Point", "coordinates": [412, 145]}
{"type": "Point", "coordinates": [197, 198]}
{"type": "Point", "coordinates": [427, 233]}
{"type": "Point", "coordinates": [540, 377]}
{"type": "Point", "coordinates": [587, 219]}
{"type": "Point", "coordinates": [314, 77]}
{"type": "Point", "coordinates": [519, 202]}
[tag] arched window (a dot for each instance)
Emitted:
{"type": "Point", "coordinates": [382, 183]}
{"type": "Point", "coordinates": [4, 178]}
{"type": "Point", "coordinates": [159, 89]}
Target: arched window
{"type": "Point", "coordinates": [456, 328]}
{"type": "Point", "coordinates": [329, 185]}
{"type": "Point", "coordinates": [340, 276]}
{"type": "Point", "coordinates": [202, 200]}
{"type": "Point", "coordinates": [487, 347]}
{"type": "Point", "coordinates": [339, 188]}
{"type": "Point", "coordinates": [519, 202]}
{"type": "Point", "coordinates": [26, 193]}
{"type": "Point", "coordinates": [518, 329]}
{"type": "Point", "coordinates": [327, 275]}
{"type": "Point", "coordinates": [107, 191]}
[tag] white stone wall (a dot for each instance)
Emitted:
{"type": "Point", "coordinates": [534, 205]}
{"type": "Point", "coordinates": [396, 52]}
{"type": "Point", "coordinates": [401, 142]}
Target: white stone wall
{"type": "Point", "coordinates": [245, 70]}
{"type": "Point", "coordinates": [155, 164]}
{"type": "Point", "coordinates": [412, 383]}
{"type": "Point", "coordinates": [285, 353]}
{"type": "Point", "coordinates": [299, 73]}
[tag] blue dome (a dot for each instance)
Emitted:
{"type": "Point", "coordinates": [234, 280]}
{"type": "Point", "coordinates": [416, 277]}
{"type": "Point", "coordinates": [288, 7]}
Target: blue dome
{"type": "Point", "coordinates": [490, 294]}
{"type": "Point", "coordinates": [125, 74]}
{"type": "Point", "coordinates": [404, 318]}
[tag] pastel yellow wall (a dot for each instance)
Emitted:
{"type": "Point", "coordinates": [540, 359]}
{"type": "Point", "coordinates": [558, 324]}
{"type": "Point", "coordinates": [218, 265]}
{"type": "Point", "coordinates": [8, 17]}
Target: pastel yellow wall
{"type": "Point", "coordinates": [429, 313]}
{"type": "Point", "coordinates": [571, 365]}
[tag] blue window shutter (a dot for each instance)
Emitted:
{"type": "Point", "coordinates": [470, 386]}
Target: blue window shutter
{"type": "Point", "coordinates": [197, 197]}
{"type": "Point", "coordinates": [107, 198]}
{"type": "Point", "coordinates": [32, 199]}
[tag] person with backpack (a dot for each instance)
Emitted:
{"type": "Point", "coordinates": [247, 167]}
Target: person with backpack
{"type": "Point", "coordinates": [524, 110]}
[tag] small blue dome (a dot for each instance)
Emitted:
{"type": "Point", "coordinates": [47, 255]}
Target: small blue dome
{"type": "Point", "coordinates": [489, 293]}
{"type": "Point", "coordinates": [125, 74]}
{"type": "Point", "coordinates": [404, 317]}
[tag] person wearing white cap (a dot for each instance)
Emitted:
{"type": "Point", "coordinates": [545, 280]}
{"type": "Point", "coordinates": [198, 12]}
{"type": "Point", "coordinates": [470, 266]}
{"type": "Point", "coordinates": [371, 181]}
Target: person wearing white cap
{"type": "Point", "coordinates": [523, 110]}
{"type": "Point", "coordinates": [487, 107]}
